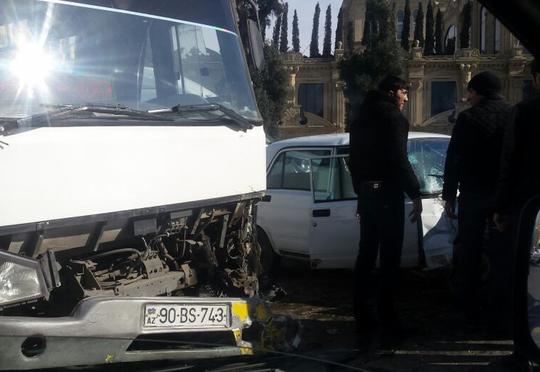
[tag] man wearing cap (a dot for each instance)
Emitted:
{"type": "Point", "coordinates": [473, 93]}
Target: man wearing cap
{"type": "Point", "coordinates": [472, 166]}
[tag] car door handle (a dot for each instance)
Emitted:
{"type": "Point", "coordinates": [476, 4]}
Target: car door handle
{"type": "Point", "coordinates": [321, 213]}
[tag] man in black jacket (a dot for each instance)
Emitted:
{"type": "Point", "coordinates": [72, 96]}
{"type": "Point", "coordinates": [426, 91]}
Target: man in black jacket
{"type": "Point", "coordinates": [381, 174]}
{"type": "Point", "coordinates": [472, 165]}
{"type": "Point", "coordinates": [519, 181]}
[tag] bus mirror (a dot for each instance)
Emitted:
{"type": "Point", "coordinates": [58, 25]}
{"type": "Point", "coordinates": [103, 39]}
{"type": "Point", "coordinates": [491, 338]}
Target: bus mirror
{"type": "Point", "coordinates": [256, 44]}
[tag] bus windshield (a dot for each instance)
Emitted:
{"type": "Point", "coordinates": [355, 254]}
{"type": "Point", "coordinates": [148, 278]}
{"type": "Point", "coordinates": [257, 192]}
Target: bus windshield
{"type": "Point", "coordinates": [143, 55]}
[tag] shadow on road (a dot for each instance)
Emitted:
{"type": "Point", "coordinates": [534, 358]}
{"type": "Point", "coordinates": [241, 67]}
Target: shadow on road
{"type": "Point", "coordinates": [443, 339]}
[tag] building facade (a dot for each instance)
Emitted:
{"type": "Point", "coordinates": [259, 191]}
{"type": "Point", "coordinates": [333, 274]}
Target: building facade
{"type": "Point", "coordinates": [316, 103]}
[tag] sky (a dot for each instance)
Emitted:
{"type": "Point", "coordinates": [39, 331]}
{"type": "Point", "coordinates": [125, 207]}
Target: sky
{"type": "Point", "coordinates": [306, 10]}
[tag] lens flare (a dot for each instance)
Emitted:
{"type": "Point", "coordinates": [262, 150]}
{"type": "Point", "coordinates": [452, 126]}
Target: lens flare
{"type": "Point", "coordinates": [31, 65]}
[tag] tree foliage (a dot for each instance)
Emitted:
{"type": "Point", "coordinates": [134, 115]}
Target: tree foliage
{"type": "Point", "coordinates": [284, 39]}
{"type": "Point", "coordinates": [439, 42]}
{"type": "Point", "coordinates": [368, 24]}
{"type": "Point", "coordinates": [419, 25]}
{"type": "Point", "coordinates": [295, 33]}
{"type": "Point", "coordinates": [327, 43]}
{"type": "Point", "coordinates": [270, 85]}
{"type": "Point", "coordinates": [377, 23]}
{"type": "Point", "coordinates": [429, 45]}
{"type": "Point", "coordinates": [392, 22]}
{"type": "Point", "coordinates": [350, 35]}
{"type": "Point", "coordinates": [339, 28]}
{"type": "Point", "coordinates": [406, 32]}
{"type": "Point", "coordinates": [267, 8]}
{"type": "Point", "coordinates": [465, 34]}
{"type": "Point", "coordinates": [314, 45]}
{"type": "Point", "coordinates": [276, 33]}
{"type": "Point", "coordinates": [363, 71]}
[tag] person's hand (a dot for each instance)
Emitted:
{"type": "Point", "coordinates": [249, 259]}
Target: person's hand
{"type": "Point", "coordinates": [450, 209]}
{"type": "Point", "coordinates": [416, 210]}
{"type": "Point", "coordinates": [501, 221]}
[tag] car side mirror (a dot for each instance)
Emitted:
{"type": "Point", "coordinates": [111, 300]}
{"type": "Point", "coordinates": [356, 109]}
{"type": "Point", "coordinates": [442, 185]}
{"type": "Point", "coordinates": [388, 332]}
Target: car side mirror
{"type": "Point", "coordinates": [527, 280]}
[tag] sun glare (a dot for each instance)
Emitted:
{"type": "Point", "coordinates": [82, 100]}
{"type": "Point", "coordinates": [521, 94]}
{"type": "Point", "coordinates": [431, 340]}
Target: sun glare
{"type": "Point", "coordinates": [31, 65]}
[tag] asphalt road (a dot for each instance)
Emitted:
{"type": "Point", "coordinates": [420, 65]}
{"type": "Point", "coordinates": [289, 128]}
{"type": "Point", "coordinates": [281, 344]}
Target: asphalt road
{"type": "Point", "coordinates": [442, 338]}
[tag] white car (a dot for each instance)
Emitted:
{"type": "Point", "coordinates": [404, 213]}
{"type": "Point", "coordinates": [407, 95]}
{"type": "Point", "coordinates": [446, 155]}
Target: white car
{"type": "Point", "coordinates": [311, 214]}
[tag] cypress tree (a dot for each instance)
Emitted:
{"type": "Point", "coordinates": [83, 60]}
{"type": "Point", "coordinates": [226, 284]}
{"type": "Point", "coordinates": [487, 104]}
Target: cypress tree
{"type": "Point", "coordinates": [430, 31]}
{"type": "Point", "coordinates": [439, 47]}
{"type": "Point", "coordinates": [270, 86]}
{"type": "Point", "coordinates": [392, 23]}
{"type": "Point", "coordinates": [380, 23]}
{"type": "Point", "coordinates": [419, 25]}
{"type": "Point", "coordinates": [362, 71]}
{"type": "Point", "coordinates": [266, 8]}
{"type": "Point", "coordinates": [406, 33]}
{"type": "Point", "coordinates": [368, 24]}
{"type": "Point", "coordinates": [465, 34]}
{"type": "Point", "coordinates": [327, 44]}
{"type": "Point", "coordinates": [350, 36]}
{"type": "Point", "coordinates": [314, 45]}
{"type": "Point", "coordinates": [275, 36]}
{"type": "Point", "coordinates": [295, 33]}
{"type": "Point", "coordinates": [339, 28]}
{"type": "Point", "coordinates": [284, 40]}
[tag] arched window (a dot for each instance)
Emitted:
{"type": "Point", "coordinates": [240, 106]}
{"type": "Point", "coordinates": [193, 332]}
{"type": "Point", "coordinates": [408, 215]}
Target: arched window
{"type": "Point", "coordinates": [399, 23]}
{"type": "Point", "coordinates": [450, 40]}
{"type": "Point", "coordinates": [483, 24]}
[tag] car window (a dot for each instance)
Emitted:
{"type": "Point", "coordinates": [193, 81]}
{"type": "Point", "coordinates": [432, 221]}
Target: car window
{"type": "Point", "coordinates": [332, 179]}
{"type": "Point", "coordinates": [292, 168]}
{"type": "Point", "coordinates": [427, 157]}
{"type": "Point", "coordinates": [274, 179]}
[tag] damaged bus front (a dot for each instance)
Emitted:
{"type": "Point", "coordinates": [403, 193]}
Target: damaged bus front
{"type": "Point", "coordinates": [131, 161]}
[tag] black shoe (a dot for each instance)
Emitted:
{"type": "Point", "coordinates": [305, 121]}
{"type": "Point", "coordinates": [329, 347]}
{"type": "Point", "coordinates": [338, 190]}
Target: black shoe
{"type": "Point", "coordinates": [365, 321]}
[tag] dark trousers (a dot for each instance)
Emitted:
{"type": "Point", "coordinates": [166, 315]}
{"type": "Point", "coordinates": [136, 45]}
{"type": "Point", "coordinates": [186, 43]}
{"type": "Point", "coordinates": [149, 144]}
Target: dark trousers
{"type": "Point", "coordinates": [474, 225]}
{"type": "Point", "coordinates": [381, 233]}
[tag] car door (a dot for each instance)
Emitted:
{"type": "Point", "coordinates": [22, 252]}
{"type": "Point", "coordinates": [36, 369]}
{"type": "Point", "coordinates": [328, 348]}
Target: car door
{"type": "Point", "coordinates": [286, 219]}
{"type": "Point", "coordinates": [427, 156]}
{"type": "Point", "coordinates": [334, 231]}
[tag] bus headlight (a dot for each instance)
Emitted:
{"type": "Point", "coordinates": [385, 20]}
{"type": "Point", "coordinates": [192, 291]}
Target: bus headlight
{"type": "Point", "coordinates": [21, 279]}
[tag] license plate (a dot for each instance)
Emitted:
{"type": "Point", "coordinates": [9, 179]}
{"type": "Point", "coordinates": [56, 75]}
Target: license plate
{"type": "Point", "coordinates": [187, 316]}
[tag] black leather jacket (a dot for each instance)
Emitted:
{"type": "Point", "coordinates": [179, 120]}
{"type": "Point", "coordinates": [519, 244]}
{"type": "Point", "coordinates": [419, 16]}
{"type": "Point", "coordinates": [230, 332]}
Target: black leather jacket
{"type": "Point", "coordinates": [378, 146]}
{"type": "Point", "coordinates": [519, 178]}
{"type": "Point", "coordinates": [474, 152]}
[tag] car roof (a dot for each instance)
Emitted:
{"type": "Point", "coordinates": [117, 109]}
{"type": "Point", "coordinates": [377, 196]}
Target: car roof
{"type": "Point", "coordinates": [328, 140]}
{"type": "Point", "coordinates": [338, 139]}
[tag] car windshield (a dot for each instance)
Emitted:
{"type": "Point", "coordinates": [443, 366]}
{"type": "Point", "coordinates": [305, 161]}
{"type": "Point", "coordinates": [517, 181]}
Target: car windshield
{"type": "Point", "coordinates": [427, 157]}
{"type": "Point", "coordinates": [143, 56]}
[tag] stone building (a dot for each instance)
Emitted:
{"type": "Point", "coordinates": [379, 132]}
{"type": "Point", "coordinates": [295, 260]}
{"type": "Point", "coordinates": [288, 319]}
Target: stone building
{"type": "Point", "coordinates": [316, 103]}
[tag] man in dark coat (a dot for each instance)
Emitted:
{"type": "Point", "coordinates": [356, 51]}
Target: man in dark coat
{"type": "Point", "coordinates": [519, 181]}
{"type": "Point", "coordinates": [381, 174]}
{"type": "Point", "coordinates": [472, 165]}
